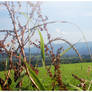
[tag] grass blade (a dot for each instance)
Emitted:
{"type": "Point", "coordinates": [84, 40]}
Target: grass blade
{"type": "Point", "coordinates": [42, 48]}
{"type": "Point", "coordinates": [6, 64]}
{"type": "Point", "coordinates": [65, 51]}
{"type": "Point", "coordinates": [89, 85]}
{"type": "Point", "coordinates": [34, 77]}
{"type": "Point", "coordinates": [76, 88]}
{"type": "Point", "coordinates": [21, 76]}
{"type": "Point", "coordinates": [0, 88]}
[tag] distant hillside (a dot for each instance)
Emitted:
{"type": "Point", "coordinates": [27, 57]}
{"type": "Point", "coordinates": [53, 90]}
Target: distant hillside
{"type": "Point", "coordinates": [81, 47]}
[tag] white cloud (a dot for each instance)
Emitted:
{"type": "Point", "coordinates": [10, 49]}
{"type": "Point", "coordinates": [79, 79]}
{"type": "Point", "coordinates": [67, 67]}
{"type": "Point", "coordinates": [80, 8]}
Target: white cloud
{"type": "Point", "coordinates": [59, 32]}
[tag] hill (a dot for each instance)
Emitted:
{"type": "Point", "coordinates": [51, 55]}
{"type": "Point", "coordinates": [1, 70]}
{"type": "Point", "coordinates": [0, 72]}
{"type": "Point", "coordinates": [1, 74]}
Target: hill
{"type": "Point", "coordinates": [81, 47]}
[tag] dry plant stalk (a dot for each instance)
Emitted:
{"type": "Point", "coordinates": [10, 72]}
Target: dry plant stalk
{"type": "Point", "coordinates": [82, 82]}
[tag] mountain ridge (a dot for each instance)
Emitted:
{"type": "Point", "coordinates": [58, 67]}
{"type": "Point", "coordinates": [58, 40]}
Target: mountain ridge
{"type": "Point", "coordinates": [80, 46]}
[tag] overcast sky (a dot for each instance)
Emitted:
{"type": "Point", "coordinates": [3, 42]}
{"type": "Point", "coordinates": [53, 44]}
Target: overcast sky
{"type": "Point", "coordinates": [79, 13]}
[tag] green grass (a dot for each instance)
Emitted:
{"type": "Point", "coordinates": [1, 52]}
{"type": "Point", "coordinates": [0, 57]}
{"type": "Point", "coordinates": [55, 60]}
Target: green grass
{"type": "Point", "coordinates": [79, 69]}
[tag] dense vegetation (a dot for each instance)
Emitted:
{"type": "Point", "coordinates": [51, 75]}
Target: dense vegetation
{"type": "Point", "coordinates": [81, 70]}
{"type": "Point", "coordinates": [36, 61]}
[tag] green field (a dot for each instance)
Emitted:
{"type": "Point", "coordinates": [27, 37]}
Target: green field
{"type": "Point", "coordinates": [79, 69]}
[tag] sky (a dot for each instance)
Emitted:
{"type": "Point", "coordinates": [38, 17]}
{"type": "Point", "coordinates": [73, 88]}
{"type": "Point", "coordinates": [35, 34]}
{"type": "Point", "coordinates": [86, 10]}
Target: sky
{"type": "Point", "coordinates": [78, 13]}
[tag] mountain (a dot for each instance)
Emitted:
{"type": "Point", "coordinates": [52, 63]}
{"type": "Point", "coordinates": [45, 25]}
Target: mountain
{"type": "Point", "coordinates": [81, 47]}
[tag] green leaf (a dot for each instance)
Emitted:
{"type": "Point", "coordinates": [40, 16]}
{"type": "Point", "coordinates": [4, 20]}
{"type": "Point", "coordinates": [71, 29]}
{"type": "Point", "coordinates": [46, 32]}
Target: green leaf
{"type": "Point", "coordinates": [0, 88]}
{"type": "Point", "coordinates": [42, 48]}
{"type": "Point", "coordinates": [76, 88]}
{"type": "Point", "coordinates": [34, 77]}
